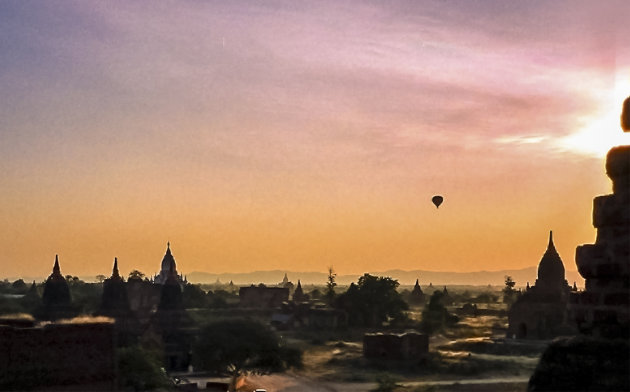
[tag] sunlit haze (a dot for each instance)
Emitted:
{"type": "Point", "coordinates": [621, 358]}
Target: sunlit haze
{"type": "Point", "coordinates": [301, 135]}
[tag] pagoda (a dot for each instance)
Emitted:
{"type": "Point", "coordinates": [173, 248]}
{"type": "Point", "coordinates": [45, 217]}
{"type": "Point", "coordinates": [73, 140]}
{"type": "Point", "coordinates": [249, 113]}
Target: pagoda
{"type": "Point", "coordinates": [114, 300]}
{"type": "Point", "coordinates": [298, 294]}
{"type": "Point", "coordinates": [168, 264]}
{"type": "Point", "coordinates": [540, 313]}
{"type": "Point", "coordinates": [416, 297]}
{"type": "Point", "coordinates": [56, 297]}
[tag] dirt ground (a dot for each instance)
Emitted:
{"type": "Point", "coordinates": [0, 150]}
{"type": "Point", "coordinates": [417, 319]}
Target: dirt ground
{"type": "Point", "coordinates": [295, 383]}
{"type": "Point", "coordinates": [473, 358]}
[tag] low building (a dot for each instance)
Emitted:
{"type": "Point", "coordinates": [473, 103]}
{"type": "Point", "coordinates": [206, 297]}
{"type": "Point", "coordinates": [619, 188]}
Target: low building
{"type": "Point", "coordinates": [407, 346]}
{"type": "Point", "coordinates": [262, 296]}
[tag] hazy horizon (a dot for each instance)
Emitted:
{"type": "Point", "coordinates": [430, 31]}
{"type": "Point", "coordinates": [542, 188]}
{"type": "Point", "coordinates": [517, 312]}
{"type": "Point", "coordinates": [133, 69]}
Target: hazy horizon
{"type": "Point", "coordinates": [314, 277]}
{"type": "Point", "coordinates": [296, 136]}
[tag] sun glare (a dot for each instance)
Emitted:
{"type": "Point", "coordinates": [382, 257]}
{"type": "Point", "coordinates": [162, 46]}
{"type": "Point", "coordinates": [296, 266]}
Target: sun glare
{"type": "Point", "coordinates": [602, 131]}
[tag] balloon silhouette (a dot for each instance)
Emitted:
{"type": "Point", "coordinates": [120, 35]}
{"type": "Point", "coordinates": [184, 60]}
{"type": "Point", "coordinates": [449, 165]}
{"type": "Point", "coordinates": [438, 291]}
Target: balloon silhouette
{"type": "Point", "coordinates": [437, 200]}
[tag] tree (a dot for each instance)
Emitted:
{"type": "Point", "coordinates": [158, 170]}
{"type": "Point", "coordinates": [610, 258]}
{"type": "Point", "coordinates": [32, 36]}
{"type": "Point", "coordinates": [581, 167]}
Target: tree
{"type": "Point", "coordinates": [234, 347]}
{"type": "Point", "coordinates": [137, 275]}
{"type": "Point", "coordinates": [372, 301]}
{"type": "Point", "coordinates": [140, 369]}
{"type": "Point", "coordinates": [330, 286]}
{"type": "Point", "coordinates": [217, 299]}
{"type": "Point", "coordinates": [194, 297]}
{"type": "Point", "coordinates": [86, 297]}
{"type": "Point", "coordinates": [101, 278]}
{"type": "Point", "coordinates": [315, 294]}
{"type": "Point", "coordinates": [435, 316]}
{"type": "Point", "coordinates": [73, 279]}
{"type": "Point", "coordinates": [19, 286]}
{"type": "Point", "coordinates": [509, 294]}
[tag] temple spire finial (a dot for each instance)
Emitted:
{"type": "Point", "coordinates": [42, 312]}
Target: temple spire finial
{"type": "Point", "coordinates": [551, 245]}
{"type": "Point", "coordinates": [115, 269]}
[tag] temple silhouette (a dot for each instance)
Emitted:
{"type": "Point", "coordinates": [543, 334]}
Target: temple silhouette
{"type": "Point", "coordinates": [169, 267]}
{"type": "Point", "coordinates": [540, 312]}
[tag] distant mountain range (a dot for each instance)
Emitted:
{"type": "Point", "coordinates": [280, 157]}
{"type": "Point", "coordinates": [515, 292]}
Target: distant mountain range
{"type": "Point", "coordinates": [520, 276]}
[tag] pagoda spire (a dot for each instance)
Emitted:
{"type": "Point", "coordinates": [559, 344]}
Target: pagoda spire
{"type": "Point", "coordinates": [115, 273]}
{"type": "Point", "coordinates": [551, 245]}
{"type": "Point", "coordinates": [56, 270]}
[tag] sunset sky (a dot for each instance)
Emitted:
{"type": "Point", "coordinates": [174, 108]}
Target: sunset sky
{"type": "Point", "coordinates": [299, 135]}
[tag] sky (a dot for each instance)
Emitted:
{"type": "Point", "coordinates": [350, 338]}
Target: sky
{"type": "Point", "coordinates": [302, 135]}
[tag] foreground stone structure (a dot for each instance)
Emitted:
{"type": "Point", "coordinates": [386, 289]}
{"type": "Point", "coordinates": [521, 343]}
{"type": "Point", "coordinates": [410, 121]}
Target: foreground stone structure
{"type": "Point", "coordinates": [604, 308]}
{"type": "Point", "coordinates": [598, 359]}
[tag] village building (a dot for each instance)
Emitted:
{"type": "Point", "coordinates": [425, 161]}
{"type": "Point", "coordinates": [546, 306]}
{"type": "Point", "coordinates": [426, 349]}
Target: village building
{"type": "Point", "coordinates": [540, 312]}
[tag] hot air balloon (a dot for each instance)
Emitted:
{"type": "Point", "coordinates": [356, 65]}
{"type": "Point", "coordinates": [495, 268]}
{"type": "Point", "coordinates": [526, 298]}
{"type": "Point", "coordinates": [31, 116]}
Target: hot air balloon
{"type": "Point", "coordinates": [437, 200]}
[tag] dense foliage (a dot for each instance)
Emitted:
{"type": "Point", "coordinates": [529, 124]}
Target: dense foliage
{"type": "Point", "coordinates": [372, 301]}
{"type": "Point", "coordinates": [236, 346]}
{"type": "Point", "coordinates": [509, 294]}
{"type": "Point", "coordinates": [140, 369]}
{"type": "Point", "coordinates": [435, 316]}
